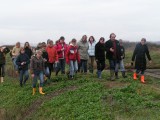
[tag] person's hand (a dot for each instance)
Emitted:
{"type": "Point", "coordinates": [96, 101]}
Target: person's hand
{"type": "Point", "coordinates": [150, 61]}
{"type": "Point", "coordinates": [32, 75]}
{"type": "Point", "coordinates": [111, 49]}
{"type": "Point", "coordinates": [132, 63]}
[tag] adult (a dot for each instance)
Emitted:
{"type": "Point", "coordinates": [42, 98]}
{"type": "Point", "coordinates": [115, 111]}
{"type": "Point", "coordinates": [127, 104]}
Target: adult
{"type": "Point", "coordinates": [83, 51]}
{"type": "Point", "coordinates": [3, 52]}
{"type": "Point", "coordinates": [15, 53]}
{"type": "Point", "coordinates": [91, 52]}
{"type": "Point", "coordinates": [72, 58]}
{"type": "Point", "coordinates": [52, 56]}
{"type": "Point", "coordinates": [139, 56]}
{"type": "Point", "coordinates": [23, 62]}
{"type": "Point", "coordinates": [61, 48]}
{"type": "Point", "coordinates": [37, 69]}
{"type": "Point", "coordinates": [113, 53]}
{"type": "Point", "coordinates": [100, 56]}
{"type": "Point", "coordinates": [121, 62]}
{"type": "Point", "coordinates": [28, 49]}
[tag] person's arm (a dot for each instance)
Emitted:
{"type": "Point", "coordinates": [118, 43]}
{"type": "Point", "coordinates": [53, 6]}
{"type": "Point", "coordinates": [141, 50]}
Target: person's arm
{"type": "Point", "coordinates": [147, 53]}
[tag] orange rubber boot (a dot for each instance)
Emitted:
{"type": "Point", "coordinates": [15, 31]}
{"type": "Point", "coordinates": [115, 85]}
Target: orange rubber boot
{"type": "Point", "coordinates": [142, 79]}
{"type": "Point", "coordinates": [135, 76]}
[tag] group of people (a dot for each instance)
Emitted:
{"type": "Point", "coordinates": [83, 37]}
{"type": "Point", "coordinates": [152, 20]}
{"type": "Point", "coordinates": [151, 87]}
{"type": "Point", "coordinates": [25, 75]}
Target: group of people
{"type": "Point", "coordinates": [48, 57]}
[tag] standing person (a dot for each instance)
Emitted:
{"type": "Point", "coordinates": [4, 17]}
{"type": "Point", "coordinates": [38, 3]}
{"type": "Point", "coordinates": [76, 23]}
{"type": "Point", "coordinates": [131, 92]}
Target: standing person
{"type": "Point", "coordinates": [113, 53]}
{"type": "Point", "coordinates": [28, 49]}
{"type": "Point", "coordinates": [91, 52]}
{"type": "Point", "coordinates": [83, 51]}
{"type": "Point", "coordinates": [45, 58]}
{"type": "Point", "coordinates": [52, 56]}
{"type": "Point", "coordinates": [3, 52]}
{"type": "Point", "coordinates": [23, 62]}
{"type": "Point", "coordinates": [100, 56]}
{"type": "Point", "coordinates": [139, 55]}
{"type": "Point", "coordinates": [37, 71]}
{"type": "Point", "coordinates": [61, 48]}
{"type": "Point", "coordinates": [72, 58]}
{"type": "Point", "coordinates": [121, 63]}
{"type": "Point", "coordinates": [15, 53]}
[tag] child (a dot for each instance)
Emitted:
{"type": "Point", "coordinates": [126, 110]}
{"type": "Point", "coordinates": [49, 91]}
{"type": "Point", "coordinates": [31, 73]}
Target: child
{"type": "Point", "coordinates": [72, 58]}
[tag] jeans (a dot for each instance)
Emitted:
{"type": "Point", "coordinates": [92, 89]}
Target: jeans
{"type": "Point", "coordinates": [61, 66]}
{"type": "Point", "coordinates": [83, 66]}
{"type": "Point", "coordinates": [100, 65]}
{"type": "Point", "coordinates": [15, 65]}
{"type": "Point", "coordinates": [47, 73]}
{"type": "Point", "coordinates": [38, 74]}
{"type": "Point", "coordinates": [121, 65]}
{"type": "Point", "coordinates": [51, 67]}
{"type": "Point", "coordinates": [2, 70]}
{"type": "Point", "coordinates": [73, 67]}
{"type": "Point", "coordinates": [23, 74]}
{"type": "Point", "coordinates": [112, 64]}
{"type": "Point", "coordinates": [140, 71]}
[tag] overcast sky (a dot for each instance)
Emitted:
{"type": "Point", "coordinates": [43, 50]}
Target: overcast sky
{"type": "Point", "coordinates": [38, 20]}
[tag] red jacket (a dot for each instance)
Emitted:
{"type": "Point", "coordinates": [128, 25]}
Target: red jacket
{"type": "Point", "coordinates": [52, 54]}
{"type": "Point", "coordinates": [72, 54]}
{"type": "Point", "coordinates": [59, 47]}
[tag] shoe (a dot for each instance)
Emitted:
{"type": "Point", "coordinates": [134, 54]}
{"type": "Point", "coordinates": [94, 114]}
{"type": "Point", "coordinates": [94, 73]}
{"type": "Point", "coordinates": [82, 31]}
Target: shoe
{"type": "Point", "coordinates": [41, 91]}
{"type": "Point", "coordinates": [34, 91]}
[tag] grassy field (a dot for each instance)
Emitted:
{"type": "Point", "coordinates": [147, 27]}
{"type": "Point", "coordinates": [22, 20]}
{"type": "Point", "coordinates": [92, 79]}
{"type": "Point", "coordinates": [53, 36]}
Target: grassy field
{"type": "Point", "coordinates": [85, 98]}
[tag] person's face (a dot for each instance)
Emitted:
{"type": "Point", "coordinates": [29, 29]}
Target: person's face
{"type": "Point", "coordinates": [27, 44]}
{"type": "Point", "coordinates": [101, 41]}
{"type": "Point", "coordinates": [91, 39]}
{"type": "Point", "coordinates": [39, 54]}
{"type": "Point", "coordinates": [51, 44]}
{"type": "Point", "coordinates": [84, 38]}
{"type": "Point", "coordinates": [142, 42]}
{"type": "Point", "coordinates": [61, 41]}
{"type": "Point", "coordinates": [22, 51]}
{"type": "Point", "coordinates": [113, 36]}
{"type": "Point", "coordinates": [18, 45]}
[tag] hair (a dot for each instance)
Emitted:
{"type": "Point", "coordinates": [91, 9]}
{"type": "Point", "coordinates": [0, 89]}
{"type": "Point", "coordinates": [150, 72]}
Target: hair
{"type": "Point", "coordinates": [18, 43]}
{"type": "Point", "coordinates": [43, 44]}
{"type": "Point", "coordinates": [28, 45]}
{"type": "Point", "coordinates": [111, 35]}
{"type": "Point", "coordinates": [22, 48]}
{"type": "Point", "coordinates": [61, 38]}
{"type": "Point", "coordinates": [102, 38]}
{"type": "Point", "coordinates": [143, 39]}
{"type": "Point", "coordinates": [73, 40]}
{"type": "Point", "coordinates": [83, 37]}
{"type": "Point", "coordinates": [90, 38]}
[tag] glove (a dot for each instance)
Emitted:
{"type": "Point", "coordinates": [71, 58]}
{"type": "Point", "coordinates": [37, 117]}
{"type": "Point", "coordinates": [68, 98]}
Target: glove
{"type": "Point", "coordinates": [131, 63]}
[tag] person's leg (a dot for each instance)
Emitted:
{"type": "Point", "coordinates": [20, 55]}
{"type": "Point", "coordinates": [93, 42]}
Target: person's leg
{"type": "Point", "coordinates": [63, 66]}
{"type": "Point", "coordinates": [92, 64]}
{"type": "Point", "coordinates": [34, 82]}
{"type": "Point", "coordinates": [26, 76]}
{"type": "Point", "coordinates": [58, 66]}
{"type": "Point", "coordinates": [98, 69]}
{"type": "Point", "coordinates": [142, 76]}
{"type": "Point", "coordinates": [116, 70]}
{"type": "Point", "coordinates": [112, 69]}
{"type": "Point", "coordinates": [21, 73]}
{"type": "Point", "coordinates": [41, 82]}
{"type": "Point", "coordinates": [122, 68]}
{"type": "Point", "coordinates": [2, 72]}
{"type": "Point", "coordinates": [85, 66]}
{"type": "Point", "coordinates": [71, 67]}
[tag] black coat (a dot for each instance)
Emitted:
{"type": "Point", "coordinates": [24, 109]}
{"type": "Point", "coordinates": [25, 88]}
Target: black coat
{"type": "Point", "coordinates": [109, 54]}
{"type": "Point", "coordinates": [23, 58]}
{"type": "Point", "coordinates": [3, 55]}
{"type": "Point", "coordinates": [45, 56]}
{"type": "Point", "coordinates": [100, 52]}
{"type": "Point", "coordinates": [29, 52]}
{"type": "Point", "coordinates": [139, 55]}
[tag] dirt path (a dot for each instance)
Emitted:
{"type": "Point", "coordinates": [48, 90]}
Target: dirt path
{"type": "Point", "coordinates": [36, 104]}
{"type": "Point", "coordinates": [153, 73]}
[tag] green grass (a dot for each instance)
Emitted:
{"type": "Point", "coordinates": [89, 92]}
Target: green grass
{"type": "Point", "coordinates": [93, 99]}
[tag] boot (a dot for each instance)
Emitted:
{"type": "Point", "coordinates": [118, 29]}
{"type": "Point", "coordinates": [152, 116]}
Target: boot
{"type": "Point", "coordinates": [34, 91]}
{"type": "Point", "coordinates": [135, 76]}
{"type": "Point", "coordinates": [116, 74]}
{"type": "Point", "coordinates": [41, 91]}
{"type": "Point", "coordinates": [123, 74]}
{"type": "Point", "coordinates": [99, 74]}
{"type": "Point", "coordinates": [2, 80]}
{"type": "Point", "coordinates": [142, 79]}
{"type": "Point", "coordinates": [112, 75]}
